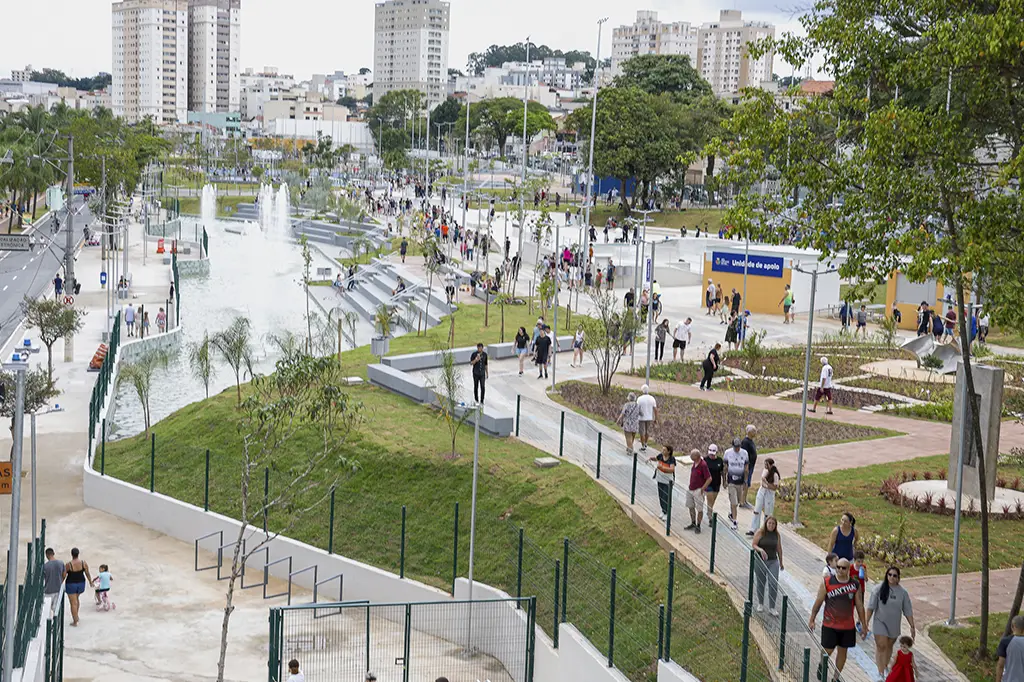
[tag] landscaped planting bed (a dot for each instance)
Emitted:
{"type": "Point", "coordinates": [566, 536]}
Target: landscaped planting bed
{"type": "Point", "coordinates": [788, 363]}
{"type": "Point", "coordinates": [931, 391]}
{"type": "Point", "coordinates": [682, 372]}
{"type": "Point", "coordinates": [841, 397]}
{"type": "Point", "coordinates": [757, 385]}
{"type": "Point", "coordinates": [685, 423]}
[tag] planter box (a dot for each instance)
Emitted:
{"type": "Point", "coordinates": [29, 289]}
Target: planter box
{"type": "Point", "coordinates": [380, 346]}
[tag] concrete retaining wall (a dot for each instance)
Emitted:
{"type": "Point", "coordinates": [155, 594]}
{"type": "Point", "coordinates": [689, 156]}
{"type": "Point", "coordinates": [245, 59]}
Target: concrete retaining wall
{"type": "Point", "coordinates": [169, 341]}
{"type": "Point", "coordinates": [194, 268]}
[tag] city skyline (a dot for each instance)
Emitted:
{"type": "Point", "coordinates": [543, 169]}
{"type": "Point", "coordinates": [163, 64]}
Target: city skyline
{"type": "Point", "coordinates": [475, 24]}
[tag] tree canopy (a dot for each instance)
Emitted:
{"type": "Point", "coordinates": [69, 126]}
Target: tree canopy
{"type": "Point", "coordinates": [58, 77]}
{"type": "Point", "coordinates": [493, 121]}
{"type": "Point", "coordinates": [496, 55]}
{"type": "Point", "coordinates": [664, 74]}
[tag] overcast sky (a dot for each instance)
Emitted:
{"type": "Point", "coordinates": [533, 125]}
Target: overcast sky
{"type": "Point", "coordinates": [302, 37]}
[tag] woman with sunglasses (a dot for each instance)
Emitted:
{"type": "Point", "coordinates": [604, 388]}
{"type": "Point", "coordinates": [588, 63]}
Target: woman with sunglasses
{"type": "Point", "coordinates": [889, 603]}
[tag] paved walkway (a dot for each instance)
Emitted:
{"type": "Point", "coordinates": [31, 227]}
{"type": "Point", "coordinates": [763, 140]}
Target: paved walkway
{"type": "Point", "coordinates": [931, 594]}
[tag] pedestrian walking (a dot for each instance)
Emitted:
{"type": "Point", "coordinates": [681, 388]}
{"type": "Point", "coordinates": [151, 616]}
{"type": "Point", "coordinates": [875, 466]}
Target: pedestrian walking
{"type": "Point", "coordinates": [709, 296]}
{"type": "Point", "coordinates": [765, 502]}
{"type": "Point", "coordinates": [478, 360]}
{"type": "Point", "coordinates": [53, 574]}
{"type": "Point", "coordinates": [862, 322]}
{"type": "Point", "coordinates": [648, 415]}
{"type": "Point", "coordinates": [767, 543]}
{"type": "Point", "coordinates": [76, 575]}
{"type": "Point", "coordinates": [716, 465]}
{"type": "Point", "coordinates": [58, 286]}
{"type": "Point", "coordinates": [843, 540]}
{"type": "Point", "coordinates": [751, 448]}
{"type": "Point", "coordinates": [681, 336]}
{"type": "Point", "coordinates": [1010, 653]}
{"type": "Point", "coordinates": [710, 366]}
{"type": "Point", "coordinates": [660, 334]}
{"type": "Point", "coordinates": [542, 349]}
{"type": "Point", "coordinates": [737, 465]}
{"type": "Point", "coordinates": [161, 321]}
{"type": "Point", "coordinates": [700, 479]}
{"type": "Point", "coordinates": [577, 347]}
{"type": "Point", "coordinates": [403, 248]}
{"type": "Point", "coordinates": [787, 304]}
{"type": "Point", "coordinates": [129, 319]}
{"type": "Point", "coordinates": [889, 603]}
{"type": "Point", "coordinates": [522, 343]}
{"type": "Point", "coordinates": [904, 669]}
{"type": "Point", "coordinates": [664, 476]}
{"type": "Point", "coordinates": [824, 387]}
{"type": "Point", "coordinates": [171, 296]}
{"type": "Point", "coordinates": [629, 420]}
{"type": "Point", "coordinates": [841, 596]}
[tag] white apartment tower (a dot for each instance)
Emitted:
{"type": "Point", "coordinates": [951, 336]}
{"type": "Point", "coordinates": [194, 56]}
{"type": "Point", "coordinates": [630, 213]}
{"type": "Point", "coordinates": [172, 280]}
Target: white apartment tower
{"type": "Point", "coordinates": [722, 56]}
{"type": "Point", "coordinates": [214, 38]}
{"type": "Point", "coordinates": [410, 50]}
{"type": "Point", "coordinates": [647, 35]}
{"type": "Point", "coordinates": [150, 57]}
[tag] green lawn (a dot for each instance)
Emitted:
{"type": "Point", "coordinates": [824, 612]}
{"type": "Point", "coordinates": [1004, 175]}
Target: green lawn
{"type": "Point", "coordinates": [708, 219]}
{"type": "Point", "coordinates": [961, 643]}
{"type": "Point", "coordinates": [875, 295]}
{"type": "Point", "coordinates": [398, 468]}
{"type": "Point", "coordinates": [226, 206]}
{"type": "Point", "coordinates": [876, 515]}
{"type": "Point", "coordinates": [1008, 339]}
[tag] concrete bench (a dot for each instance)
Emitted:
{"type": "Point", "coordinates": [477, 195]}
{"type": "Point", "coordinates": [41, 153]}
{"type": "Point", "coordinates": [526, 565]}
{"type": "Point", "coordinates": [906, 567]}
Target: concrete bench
{"type": "Point", "coordinates": [399, 382]}
{"type": "Point", "coordinates": [501, 351]}
{"type": "Point", "coordinates": [427, 359]}
{"type": "Point", "coordinates": [492, 422]}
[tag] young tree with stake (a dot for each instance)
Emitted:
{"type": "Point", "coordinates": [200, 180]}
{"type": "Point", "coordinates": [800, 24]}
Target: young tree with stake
{"type": "Point", "coordinates": [54, 320]}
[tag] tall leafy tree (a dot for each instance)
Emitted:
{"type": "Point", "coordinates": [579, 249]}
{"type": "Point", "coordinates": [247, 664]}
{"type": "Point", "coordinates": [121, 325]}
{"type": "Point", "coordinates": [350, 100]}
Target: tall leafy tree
{"type": "Point", "coordinates": [664, 74]}
{"type": "Point", "coordinates": [925, 182]}
{"type": "Point", "coordinates": [502, 118]}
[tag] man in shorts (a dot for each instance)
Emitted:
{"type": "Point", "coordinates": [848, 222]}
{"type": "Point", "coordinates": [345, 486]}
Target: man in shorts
{"type": "Point", "coordinates": [949, 325]}
{"type": "Point", "coordinates": [737, 464]}
{"type": "Point", "coordinates": [700, 479]}
{"type": "Point", "coordinates": [824, 387]}
{"type": "Point", "coordinates": [648, 415]}
{"type": "Point", "coordinates": [716, 465]}
{"type": "Point", "coordinates": [681, 336]}
{"type": "Point", "coordinates": [840, 594]}
{"type": "Point", "coordinates": [862, 322]}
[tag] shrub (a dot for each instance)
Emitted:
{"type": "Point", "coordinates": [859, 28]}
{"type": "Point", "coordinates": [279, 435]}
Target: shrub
{"type": "Point", "coordinates": [808, 491]}
{"type": "Point", "coordinates": [893, 549]}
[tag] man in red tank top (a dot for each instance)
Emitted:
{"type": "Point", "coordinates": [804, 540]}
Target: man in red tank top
{"type": "Point", "coordinates": [840, 593]}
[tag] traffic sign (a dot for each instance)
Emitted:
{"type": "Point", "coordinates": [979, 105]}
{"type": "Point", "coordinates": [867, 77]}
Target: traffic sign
{"type": "Point", "coordinates": [69, 300]}
{"type": "Point", "coordinates": [6, 479]}
{"type": "Point", "coordinates": [103, 278]}
{"type": "Point", "coordinates": [14, 242]}
{"type": "Point", "coordinates": [647, 272]}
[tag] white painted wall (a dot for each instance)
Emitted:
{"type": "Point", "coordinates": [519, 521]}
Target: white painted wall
{"type": "Point", "coordinates": [671, 672]}
{"type": "Point", "coordinates": [579, 660]}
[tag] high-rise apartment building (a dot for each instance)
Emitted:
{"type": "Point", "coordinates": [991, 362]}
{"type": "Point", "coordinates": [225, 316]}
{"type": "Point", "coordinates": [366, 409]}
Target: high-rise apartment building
{"type": "Point", "coordinates": [647, 35]}
{"type": "Point", "coordinates": [722, 53]}
{"type": "Point", "coordinates": [410, 50]}
{"type": "Point", "coordinates": [150, 57]}
{"type": "Point", "coordinates": [214, 37]}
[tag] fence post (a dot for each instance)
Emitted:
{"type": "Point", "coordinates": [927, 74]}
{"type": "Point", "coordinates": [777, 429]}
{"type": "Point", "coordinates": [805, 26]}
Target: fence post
{"type": "Point", "coordinates": [401, 555]}
{"type": "Point", "coordinates": [565, 574]}
{"type": "Point", "coordinates": [519, 400]}
{"type": "Point", "coordinates": [103, 448]}
{"type": "Point", "coordinates": [823, 666]}
{"type": "Point", "coordinates": [532, 636]}
{"type": "Point", "coordinates": [519, 567]}
{"type": "Point", "coordinates": [632, 487]}
{"type": "Point", "coordinates": [455, 551]}
{"type": "Point", "coordinates": [152, 461]}
{"type": "Point", "coordinates": [807, 664]}
{"type": "Point", "coordinates": [599, 434]}
{"type": "Point", "coordinates": [206, 485]}
{"type": "Point", "coordinates": [714, 541]}
{"type": "Point", "coordinates": [561, 434]}
{"type": "Point", "coordinates": [558, 575]}
{"type": "Point", "coordinates": [782, 631]}
{"type": "Point", "coordinates": [671, 596]}
{"type": "Point", "coordinates": [611, 624]}
{"type": "Point", "coordinates": [668, 515]}
{"type": "Point", "coordinates": [408, 642]}
{"type": "Point", "coordinates": [330, 530]}
{"type": "Point", "coordinates": [266, 495]}
{"type": "Point", "coordinates": [745, 651]}
{"type": "Point", "coordinates": [367, 637]}
{"type": "Point", "coordinates": [750, 576]}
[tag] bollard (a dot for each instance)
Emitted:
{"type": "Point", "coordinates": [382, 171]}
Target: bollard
{"type": "Point", "coordinates": [599, 434]}
{"type": "Point", "coordinates": [519, 566]}
{"type": "Point", "coordinates": [823, 667]}
{"type": "Point", "coordinates": [632, 487]}
{"type": "Point", "coordinates": [561, 434]}
{"type": "Point", "coordinates": [668, 514]}
{"type": "Point", "coordinates": [807, 664]}
{"type": "Point", "coordinates": [519, 400]}
{"type": "Point", "coordinates": [750, 575]}
{"type": "Point", "coordinates": [611, 624]}
{"type": "Point", "coordinates": [745, 651]}
{"type": "Point", "coordinates": [455, 551]}
{"type": "Point", "coordinates": [668, 614]}
{"type": "Point", "coordinates": [714, 541]}
{"type": "Point", "coordinates": [330, 528]}
{"type": "Point", "coordinates": [782, 631]}
{"type": "Point", "coordinates": [152, 461]}
{"type": "Point", "coordinates": [565, 574]}
{"type": "Point", "coordinates": [401, 551]}
{"type": "Point", "coordinates": [206, 484]}
{"type": "Point", "coordinates": [558, 575]}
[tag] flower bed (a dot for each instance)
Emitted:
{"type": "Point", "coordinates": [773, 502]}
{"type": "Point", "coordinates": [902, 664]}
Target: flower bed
{"type": "Point", "coordinates": [890, 490]}
{"type": "Point", "coordinates": [931, 391]}
{"type": "Point", "coordinates": [758, 385]}
{"type": "Point", "coordinates": [686, 423]}
{"type": "Point", "coordinates": [808, 491]}
{"type": "Point", "coordinates": [788, 363]}
{"type": "Point", "coordinates": [894, 550]}
{"type": "Point", "coordinates": [682, 372]}
{"type": "Point", "coordinates": [841, 397]}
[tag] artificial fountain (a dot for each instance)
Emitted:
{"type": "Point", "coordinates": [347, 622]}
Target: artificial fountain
{"type": "Point", "coordinates": [208, 205]}
{"type": "Point", "coordinates": [275, 210]}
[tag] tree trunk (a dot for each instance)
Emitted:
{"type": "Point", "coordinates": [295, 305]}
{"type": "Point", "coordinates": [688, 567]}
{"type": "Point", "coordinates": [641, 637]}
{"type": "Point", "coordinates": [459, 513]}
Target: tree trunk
{"type": "Point", "coordinates": [627, 209]}
{"type": "Point", "coordinates": [229, 603]}
{"type": "Point", "coordinates": [34, 198]}
{"type": "Point", "coordinates": [502, 323]}
{"type": "Point", "coordinates": [49, 362]}
{"type": "Point", "coordinates": [14, 210]}
{"type": "Point", "coordinates": [1017, 598]}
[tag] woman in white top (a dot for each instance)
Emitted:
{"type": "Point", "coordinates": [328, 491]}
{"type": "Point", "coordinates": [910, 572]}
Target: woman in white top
{"type": "Point", "coordinates": [577, 347]}
{"type": "Point", "coordinates": [765, 501]}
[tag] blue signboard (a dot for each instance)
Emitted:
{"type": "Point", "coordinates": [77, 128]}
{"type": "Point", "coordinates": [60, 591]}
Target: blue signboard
{"type": "Point", "coordinates": [761, 266]}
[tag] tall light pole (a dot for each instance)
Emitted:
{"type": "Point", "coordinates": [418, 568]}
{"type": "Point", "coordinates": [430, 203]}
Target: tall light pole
{"type": "Point", "coordinates": [522, 189]}
{"type": "Point", "coordinates": [593, 132]}
{"type": "Point", "coordinates": [472, 524]}
{"type": "Point", "coordinates": [650, 316]}
{"type": "Point", "coordinates": [55, 408]}
{"type": "Point", "coordinates": [465, 170]}
{"type": "Point", "coordinates": [807, 373]}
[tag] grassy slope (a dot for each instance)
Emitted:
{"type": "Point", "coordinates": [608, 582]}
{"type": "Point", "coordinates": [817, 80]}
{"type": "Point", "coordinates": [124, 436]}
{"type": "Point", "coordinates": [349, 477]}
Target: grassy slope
{"type": "Point", "coordinates": [226, 206]}
{"type": "Point", "coordinates": [960, 644]}
{"type": "Point", "coordinates": [875, 515]}
{"type": "Point", "coordinates": [706, 218]}
{"type": "Point", "coordinates": [397, 469]}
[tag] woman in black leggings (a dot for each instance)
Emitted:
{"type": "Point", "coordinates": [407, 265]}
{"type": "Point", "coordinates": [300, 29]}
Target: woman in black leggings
{"type": "Point", "coordinates": [710, 365]}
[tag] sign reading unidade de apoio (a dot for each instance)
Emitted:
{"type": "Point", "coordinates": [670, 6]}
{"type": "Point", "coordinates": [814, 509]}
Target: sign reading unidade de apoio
{"type": "Point", "coordinates": [761, 266]}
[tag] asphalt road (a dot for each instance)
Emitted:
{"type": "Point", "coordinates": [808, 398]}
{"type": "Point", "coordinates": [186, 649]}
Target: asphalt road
{"type": "Point", "coordinates": [31, 273]}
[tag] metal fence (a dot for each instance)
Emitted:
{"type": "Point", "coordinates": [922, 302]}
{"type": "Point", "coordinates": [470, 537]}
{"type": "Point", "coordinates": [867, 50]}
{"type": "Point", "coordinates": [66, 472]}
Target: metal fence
{"type": "Point", "coordinates": [29, 602]}
{"type": "Point", "coordinates": [784, 640]}
{"type": "Point", "coordinates": [55, 643]}
{"type": "Point", "coordinates": [102, 385]}
{"type": "Point", "coordinates": [481, 640]}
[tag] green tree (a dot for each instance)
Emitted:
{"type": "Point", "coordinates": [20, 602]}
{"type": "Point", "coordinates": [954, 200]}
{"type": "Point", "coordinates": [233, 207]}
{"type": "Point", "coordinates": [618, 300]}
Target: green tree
{"type": "Point", "coordinates": [607, 329]}
{"type": "Point", "coordinates": [448, 111]}
{"type": "Point", "coordinates": [235, 345]}
{"type": "Point", "coordinates": [664, 74]}
{"type": "Point", "coordinates": [39, 390]}
{"type": "Point", "coordinates": [924, 182]}
{"type": "Point", "coordinates": [503, 117]}
{"type": "Point", "coordinates": [138, 374]}
{"type": "Point", "coordinates": [200, 359]}
{"type": "Point", "coordinates": [54, 320]}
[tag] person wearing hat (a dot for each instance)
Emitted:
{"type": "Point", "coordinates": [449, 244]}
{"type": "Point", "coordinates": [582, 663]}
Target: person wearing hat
{"type": "Point", "coordinates": [709, 296]}
{"type": "Point", "coordinates": [715, 467]}
{"type": "Point", "coordinates": [737, 464]}
{"type": "Point", "coordinates": [824, 387]}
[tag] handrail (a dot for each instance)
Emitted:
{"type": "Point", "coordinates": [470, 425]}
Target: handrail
{"type": "Point", "coordinates": [292, 574]}
{"type": "Point", "coordinates": [245, 563]}
{"type": "Point", "coordinates": [220, 557]}
{"type": "Point", "coordinates": [266, 576]}
{"type": "Point", "coordinates": [200, 539]}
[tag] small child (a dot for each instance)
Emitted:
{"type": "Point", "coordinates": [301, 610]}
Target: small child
{"type": "Point", "coordinates": [145, 323]}
{"type": "Point", "coordinates": [859, 572]}
{"type": "Point", "coordinates": [905, 667]}
{"type": "Point", "coordinates": [102, 583]}
{"type": "Point", "coordinates": [830, 565]}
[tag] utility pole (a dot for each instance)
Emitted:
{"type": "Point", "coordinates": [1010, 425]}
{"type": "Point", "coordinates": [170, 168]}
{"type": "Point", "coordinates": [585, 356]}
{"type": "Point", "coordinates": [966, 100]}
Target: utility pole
{"type": "Point", "coordinates": [522, 189]}
{"type": "Point", "coordinates": [69, 249]}
{"type": "Point", "coordinates": [590, 169]}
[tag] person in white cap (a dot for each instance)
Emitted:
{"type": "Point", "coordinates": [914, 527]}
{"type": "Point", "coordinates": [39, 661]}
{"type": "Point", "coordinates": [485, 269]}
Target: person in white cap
{"type": "Point", "coordinates": [709, 296]}
{"type": "Point", "coordinates": [648, 415]}
{"type": "Point", "coordinates": [824, 388]}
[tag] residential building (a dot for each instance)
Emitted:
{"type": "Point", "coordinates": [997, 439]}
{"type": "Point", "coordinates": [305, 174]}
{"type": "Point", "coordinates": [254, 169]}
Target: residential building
{"type": "Point", "coordinates": [227, 124]}
{"type": "Point", "coordinates": [410, 49]}
{"type": "Point", "coordinates": [214, 41]}
{"type": "Point", "coordinates": [259, 88]}
{"type": "Point", "coordinates": [551, 82]}
{"type": "Point", "coordinates": [303, 105]}
{"type": "Point", "coordinates": [150, 57]}
{"type": "Point", "coordinates": [22, 75]}
{"type": "Point", "coordinates": [648, 35]}
{"type": "Point", "coordinates": [723, 58]}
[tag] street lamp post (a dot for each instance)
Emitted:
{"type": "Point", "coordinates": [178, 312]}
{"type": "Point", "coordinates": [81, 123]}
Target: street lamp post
{"type": "Point", "coordinates": [472, 524]}
{"type": "Point", "coordinates": [590, 166]}
{"type": "Point", "coordinates": [650, 315]}
{"type": "Point", "coordinates": [807, 373]}
{"type": "Point", "coordinates": [55, 408]}
{"type": "Point", "coordinates": [522, 189]}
